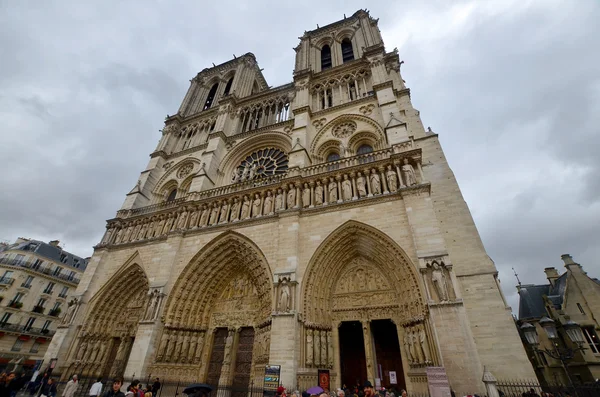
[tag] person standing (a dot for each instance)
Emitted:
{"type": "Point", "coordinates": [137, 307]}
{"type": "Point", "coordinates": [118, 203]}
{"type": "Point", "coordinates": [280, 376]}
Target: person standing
{"type": "Point", "coordinates": [156, 387]}
{"type": "Point", "coordinates": [115, 390]}
{"type": "Point", "coordinates": [96, 389]}
{"type": "Point", "coordinates": [49, 389]}
{"type": "Point", "coordinates": [71, 387]}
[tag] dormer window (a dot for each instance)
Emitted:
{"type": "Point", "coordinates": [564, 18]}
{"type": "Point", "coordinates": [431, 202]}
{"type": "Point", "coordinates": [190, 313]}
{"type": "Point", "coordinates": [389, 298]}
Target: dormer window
{"type": "Point", "coordinates": [325, 57]}
{"type": "Point", "coordinates": [347, 52]}
{"type": "Point", "coordinates": [211, 96]}
{"type": "Point", "coordinates": [228, 86]}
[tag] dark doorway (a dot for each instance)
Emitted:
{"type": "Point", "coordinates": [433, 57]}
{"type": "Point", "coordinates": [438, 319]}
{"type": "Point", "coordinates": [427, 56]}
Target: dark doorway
{"type": "Point", "coordinates": [243, 362]}
{"type": "Point", "coordinates": [216, 357]}
{"type": "Point", "coordinates": [387, 353]}
{"type": "Point", "coordinates": [352, 354]}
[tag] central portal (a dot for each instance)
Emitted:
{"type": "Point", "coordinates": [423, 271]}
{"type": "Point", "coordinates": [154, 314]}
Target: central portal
{"type": "Point", "coordinates": [353, 363]}
{"type": "Point", "coordinates": [387, 354]}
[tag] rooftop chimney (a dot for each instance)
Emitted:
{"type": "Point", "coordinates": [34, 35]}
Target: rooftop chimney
{"type": "Point", "coordinates": [551, 275]}
{"type": "Point", "coordinates": [54, 243]}
{"type": "Point", "coordinates": [567, 259]}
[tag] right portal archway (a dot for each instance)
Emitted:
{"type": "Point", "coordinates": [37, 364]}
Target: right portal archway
{"type": "Point", "coordinates": [365, 316]}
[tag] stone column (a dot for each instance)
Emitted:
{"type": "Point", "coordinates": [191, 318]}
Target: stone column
{"type": "Point", "coordinates": [366, 174]}
{"type": "Point", "coordinates": [312, 194]}
{"type": "Point", "coordinates": [401, 183]}
{"type": "Point", "coordinates": [338, 182]}
{"type": "Point", "coordinates": [383, 180]}
{"type": "Point", "coordinates": [337, 366]}
{"type": "Point", "coordinates": [354, 190]}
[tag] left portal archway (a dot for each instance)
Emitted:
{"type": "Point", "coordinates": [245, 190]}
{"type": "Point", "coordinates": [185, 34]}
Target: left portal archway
{"type": "Point", "coordinates": [217, 318]}
{"type": "Point", "coordinates": [106, 338]}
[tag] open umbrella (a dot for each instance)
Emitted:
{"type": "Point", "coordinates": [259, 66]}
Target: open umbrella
{"type": "Point", "coordinates": [197, 389]}
{"type": "Point", "coordinates": [315, 390]}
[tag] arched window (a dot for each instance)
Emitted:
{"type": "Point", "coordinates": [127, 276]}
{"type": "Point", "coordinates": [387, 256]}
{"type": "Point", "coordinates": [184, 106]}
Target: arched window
{"type": "Point", "coordinates": [333, 157]}
{"type": "Point", "coordinates": [211, 96]}
{"type": "Point", "coordinates": [172, 195]}
{"type": "Point", "coordinates": [228, 86]}
{"type": "Point", "coordinates": [347, 52]}
{"type": "Point", "coordinates": [325, 57]}
{"type": "Point", "coordinates": [364, 149]}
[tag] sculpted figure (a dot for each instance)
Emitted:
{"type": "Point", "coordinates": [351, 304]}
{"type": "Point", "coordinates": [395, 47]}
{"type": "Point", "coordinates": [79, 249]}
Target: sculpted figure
{"type": "Point", "coordinates": [267, 208]}
{"type": "Point", "coordinates": [159, 226]}
{"type": "Point", "coordinates": [107, 236]}
{"type": "Point", "coordinates": [245, 172]}
{"type": "Point", "coordinates": [318, 193]}
{"type": "Point", "coordinates": [150, 229]}
{"type": "Point", "coordinates": [375, 182]}
{"type": "Point", "coordinates": [417, 345]}
{"type": "Point", "coordinates": [223, 216]}
{"type": "Point", "coordinates": [252, 173]}
{"type": "Point", "coordinates": [291, 197]}
{"type": "Point", "coordinates": [204, 215]}
{"type": "Point", "coordinates": [438, 278]}
{"type": "Point", "coordinates": [192, 351]}
{"type": "Point", "coordinates": [245, 208]}
{"type": "Point", "coordinates": [178, 345]}
{"type": "Point", "coordinates": [81, 351]}
{"type": "Point", "coordinates": [306, 196]}
{"type": "Point", "coordinates": [214, 215]}
{"type": "Point", "coordinates": [329, 349]}
{"type": "Point", "coordinates": [423, 342]}
{"type": "Point", "coordinates": [346, 188]}
{"type": "Point", "coordinates": [235, 178]}
{"type": "Point", "coordinates": [194, 219]}
{"type": "Point", "coordinates": [391, 179]}
{"type": "Point", "coordinates": [163, 348]}
{"type": "Point", "coordinates": [235, 210]}
{"type": "Point", "coordinates": [309, 348]}
{"type": "Point", "coordinates": [185, 348]}
{"type": "Point", "coordinates": [284, 296]}
{"type": "Point", "coordinates": [171, 348]}
{"type": "Point", "coordinates": [409, 173]}
{"type": "Point", "coordinates": [136, 231]}
{"type": "Point", "coordinates": [70, 313]}
{"type": "Point", "coordinates": [407, 349]}
{"type": "Point", "coordinates": [323, 348]}
{"type": "Point", "coordinates": [119, 236]}
{"type": "Point", "coordinates": [333, 195]}
{"type": "Point", "coordinates": [228, 347]}
{"type": "Point", "coordinates": [411, 342]}
{"type": "Point", "coordinates": [181, 221]}
{"type": "Point", "coordinates": [256, 206]}
{"type": "Point", "coordinates": [199, 349]}
{"type": "Point", "coordinates": [279, 200]}
{"type": "Point", "coordinates": [360, 185]}
{"type": "Point", "coordinates": [168, 224]}
{"type": "Point", "coordinates": [317, 341]}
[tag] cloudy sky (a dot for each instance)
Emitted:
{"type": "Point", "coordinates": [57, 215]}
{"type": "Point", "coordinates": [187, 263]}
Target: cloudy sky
{"type": "Point", "coordinates": [512, 87]}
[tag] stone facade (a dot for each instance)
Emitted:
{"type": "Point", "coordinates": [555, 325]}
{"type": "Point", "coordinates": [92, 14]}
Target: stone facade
{"type": "Point", "coordinates": [270, 217]}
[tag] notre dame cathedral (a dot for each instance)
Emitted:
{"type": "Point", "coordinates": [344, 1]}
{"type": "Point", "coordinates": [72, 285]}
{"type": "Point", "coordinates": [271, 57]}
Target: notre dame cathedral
{"type": "Point", "coordinates": [313, 225]}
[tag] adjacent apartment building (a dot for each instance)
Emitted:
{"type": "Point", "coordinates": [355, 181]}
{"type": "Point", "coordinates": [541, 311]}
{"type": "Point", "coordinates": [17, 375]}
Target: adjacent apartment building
{"type": "Point", "coordinates": [36, 281]}
{"type": "Point", "coordinates": [569, 297]}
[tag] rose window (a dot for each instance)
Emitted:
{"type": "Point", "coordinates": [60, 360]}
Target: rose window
{"type": "Point", "coordinates": [262, 163]}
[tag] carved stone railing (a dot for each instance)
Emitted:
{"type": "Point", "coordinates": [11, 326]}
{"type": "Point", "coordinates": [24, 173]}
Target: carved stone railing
{"type": "Point", "coordinates": [150, 208]}
{"type": "Point", "coordinates": [353, 181]}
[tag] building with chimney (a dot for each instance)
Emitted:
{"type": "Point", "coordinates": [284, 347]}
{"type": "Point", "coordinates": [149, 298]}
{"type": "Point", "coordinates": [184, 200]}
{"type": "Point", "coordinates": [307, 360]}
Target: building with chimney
{"type": "Point", "coordinates": [572, 296]}
{"type": "Point", "coordinates": [36, 281]}
{"type": "Point", "coordinates": [314, 226]}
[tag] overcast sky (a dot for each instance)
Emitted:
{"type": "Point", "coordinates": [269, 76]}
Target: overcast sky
{"type": "Point", "coordinates": [511, 87]}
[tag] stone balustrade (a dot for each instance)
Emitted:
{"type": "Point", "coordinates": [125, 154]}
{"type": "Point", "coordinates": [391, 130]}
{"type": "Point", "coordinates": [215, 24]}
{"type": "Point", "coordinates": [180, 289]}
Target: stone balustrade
{"type": "Point", "coordinates": [358, 178]}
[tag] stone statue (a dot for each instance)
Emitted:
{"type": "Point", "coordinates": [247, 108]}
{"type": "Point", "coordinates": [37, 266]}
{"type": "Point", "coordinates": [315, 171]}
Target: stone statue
{"type": "Point", "coordinates": [192, 351]}
{"type": "Point", "coordinates": [223, 215]}
{"type": "Point", "coordinates": [171, 347]}
{"type": "Point", "coordinates": [291, 197]}
{"type": "Point", "coordinates": [168, 224]}
{"type": "Point", "coordinates": [317, 342]}
{"type": "Point", "coordinates": [306, 196]}
{"type": "Point", "coordinates": [309, 347]}
{"type": "Point", "coordinates": [152, 304]}
{"type": "Point", "coordinates": [346, 188]}
{"type": "Point", "coordinates": [194, 219]}
{"type": "Point", "coordinates": [107, 236]}
{"type": "Point", "coordinates": [375, 182]}
{"type": "Point", "coordinates": [329, 349]}
{"type": "Point", "coordinates": [284, 296]}
{"type": "Point", "coordinates": [409, 173]}
{"type": "Point", "coordinates": [360, 185]}
{"type": "Point", "coordinates": [279, 200]}
{"type": "Point", "coordinates": [160, 225]}
{"type": "Point", "coordinates": [199, 349]}
{"type": "Point", "coordinates": [235, 210]}
{"type": "Point", "coordinates": [267, 208]}
{"type": "Point", "coordinates": [204, 215]}
{"type": "Point", "coordinates": [185, 348]}
{"type": "Point", "coordinates": [391, 179]}
{"type": "Point", "coordinates": [235, 178]}
{"type": "Point", "coordinates": [252, 173]}
{"type": "Point", "coordinates": [423, 342]}
{"type": "Point", "coordinates": [182, 218]}
{"type": "Point", "coordinates": [417, 346]}
{"type": "Point", "coordinates": [245, 208]}
{"type": "Point", "coordinates": [228, 348]}
{"type": "Point", "coordinates": [81, 351]}
{"type": "Point", "coordinates": [70, 313]}
{"type": "Point", "coordinates": [411, 345]}
{"type": "Point", "coordinates": [332, 188]}
{"type": "Point", "coordinates": [323, 348]}
{"type": "Point", "coordinates": [214, 214]}
{"type": "Point", "coordinates": [438, 278]}
{"type": "Point", "coordinates": [245, 172]}
{"type": "Point", "coordinates": [318, 194]}
{"type": "Point", "coordinates": [119, 236]}
{"type": "Point", "coordinates": [162, 348]}
{"type": "Point", "coordinates": [256, 206]}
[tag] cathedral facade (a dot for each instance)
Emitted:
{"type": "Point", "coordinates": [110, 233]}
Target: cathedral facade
{"type": "Point", "coordinates": [314, 225]}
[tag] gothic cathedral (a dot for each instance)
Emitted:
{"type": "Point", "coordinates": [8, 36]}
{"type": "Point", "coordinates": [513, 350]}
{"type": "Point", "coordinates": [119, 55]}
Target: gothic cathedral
{"type": "Point", "coordinates": [313, 225]}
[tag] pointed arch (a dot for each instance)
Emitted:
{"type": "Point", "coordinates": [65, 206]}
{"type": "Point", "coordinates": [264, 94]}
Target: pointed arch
{"type": "Point", "coordinates": [207, 275]}
{"type": "Point", "coordinates": [364, 123]}
{"type": "Point", "coordinates": [351, 240]}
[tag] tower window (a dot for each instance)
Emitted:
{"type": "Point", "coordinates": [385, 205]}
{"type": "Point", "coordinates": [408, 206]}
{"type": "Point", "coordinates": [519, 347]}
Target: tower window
{"type": "Point", "coordinates": [333, 157]}
{"type": "Point", "coordinates": [325, 57]}
{"type": "Point", "coordinates": [172, 195]}
{"type": "Point", "coordinates": [347, 52]}
{"type": "Point", "coordinates": [211, 96]}
{"type": "Point", "coordinates": [364, 149]}
{"type": "Point", "coordinates": [228, 86]}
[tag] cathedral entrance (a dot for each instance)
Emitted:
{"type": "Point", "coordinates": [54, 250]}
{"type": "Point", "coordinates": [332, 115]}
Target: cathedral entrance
{"type": "Point", "coordinates": [353, 363]}
{"type": "Point", "coordinates": [387, 353]}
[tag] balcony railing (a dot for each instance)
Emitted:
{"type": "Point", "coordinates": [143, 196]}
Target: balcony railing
{"type": "Point", "coordinates": [61, 295]}
{"type": "Point", "coordinates": [6, 280]}
{"type": "Point", "coordinates": [15, 305]}
{"type": "Point", "coordinates": [16, 328]}
{"type": "Point", "coordinates": [47, 270]}
{"type": "Point", "coordinates": [54, 312]}
{"type": "Point", "coordinates": [26, 285]}
{"type": "Point", "coordinates": [365, 177]}
{"type": "Point", "coordinates": [48, 291]}
{"type": "Point", "coordinates": [38, 309]}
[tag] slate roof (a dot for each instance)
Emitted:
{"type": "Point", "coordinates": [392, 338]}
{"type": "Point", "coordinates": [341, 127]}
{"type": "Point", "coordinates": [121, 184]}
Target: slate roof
{"type": "Point", "coordinates": [49, 252]}
{"type": "Point", "coordinates": [531, 301]}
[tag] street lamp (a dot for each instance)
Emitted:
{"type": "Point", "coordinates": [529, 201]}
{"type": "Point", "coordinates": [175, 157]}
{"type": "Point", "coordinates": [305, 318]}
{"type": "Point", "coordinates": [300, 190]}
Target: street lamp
{"type": "Point", "coordinates": [564, 354]}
